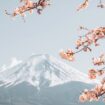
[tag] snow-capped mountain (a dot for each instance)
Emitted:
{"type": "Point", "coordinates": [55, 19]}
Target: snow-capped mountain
{"type": "Point", "coordinates": [40, 70]}
{"type": "Point", "coordinates": [59, 83]}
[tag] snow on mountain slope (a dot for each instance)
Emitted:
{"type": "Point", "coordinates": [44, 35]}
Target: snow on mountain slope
{"type": "Point", "coordinates": [41, 70]}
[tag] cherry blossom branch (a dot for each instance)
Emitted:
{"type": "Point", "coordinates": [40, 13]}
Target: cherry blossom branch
{"type": "Point", "coordinates": [82, 49]}
{"type": "Point", "coordinates": [85, 4]}
{"type": "Point", "coordinates": [101, 94]}
{"type": "Point", "coordinates": [93, 94]}
{"type": "Point", "coordinates": [84, 42]}
{"type": "Point", "coordinates": [99, 90]}
{"type": "Point", "coordinates": [101, 5]}
{"type": "Point", "coordinates": [29, 6]}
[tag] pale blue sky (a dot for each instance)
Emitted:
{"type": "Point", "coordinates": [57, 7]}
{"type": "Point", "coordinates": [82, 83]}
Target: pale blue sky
{"type": "Point", "coordinates": [55, 29]}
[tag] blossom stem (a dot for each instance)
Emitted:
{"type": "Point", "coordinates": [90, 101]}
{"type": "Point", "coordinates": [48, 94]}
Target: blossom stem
{"type": "Point", "coordinates": [81, 49]}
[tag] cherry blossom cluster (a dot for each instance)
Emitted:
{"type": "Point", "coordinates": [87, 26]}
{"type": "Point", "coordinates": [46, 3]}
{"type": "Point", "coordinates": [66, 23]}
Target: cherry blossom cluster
{"type": "Point", "coordinates": [93, 94]}
{"type": "Point", "coordinates": [93, 73]}
{"type": "Point", "coordinates": [99, 90]}
{"type": "Point", "coordinates": [85, 4]}
{"type": "Point", "coordinates": [100, 61]}
{"type": "Point", "coordinates": [29, 5]}
{"type": "Point", "coordinates": [84, 42]}
{"type": "Point", "coordinates": [68, 55]}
